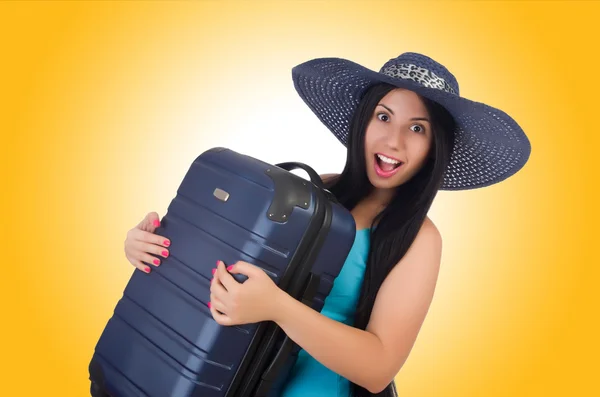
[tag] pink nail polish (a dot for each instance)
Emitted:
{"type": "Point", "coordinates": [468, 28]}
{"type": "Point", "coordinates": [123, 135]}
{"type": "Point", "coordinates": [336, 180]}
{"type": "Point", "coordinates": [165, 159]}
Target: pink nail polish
{"type": "Point", "coordinates": [167, 243]}
{"type": "Point", "coordinates": [229, 268]}
{"type": "Point", "coordinates": [165, 254]}
{"type": "Point", "coordinates": [214, 271]}
{"type": "Point", "coordinates": [209, 305]}
{"type": "Point", "coordinates": [156, 223]}
{"type": "Point", "coordinates": [147, 269]}
{"type": "Point", "coordinates": [156, 261]}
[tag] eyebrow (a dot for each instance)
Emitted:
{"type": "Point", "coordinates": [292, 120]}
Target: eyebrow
{"type": "Point", "coordinates": [414, 118]}
{"type": "Point", "coordinates": [389, 110]}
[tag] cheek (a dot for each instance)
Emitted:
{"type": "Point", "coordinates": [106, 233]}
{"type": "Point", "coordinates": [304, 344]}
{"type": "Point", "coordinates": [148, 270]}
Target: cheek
{"type": "Point", "coordinates": [368, 142]}
{"type": "Point", "coordinates": [419, 148]}
{"type": "Point", "coordinates": [372, 137]}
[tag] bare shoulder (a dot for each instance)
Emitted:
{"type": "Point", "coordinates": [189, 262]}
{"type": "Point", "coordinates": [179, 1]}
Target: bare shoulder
{"type": "Point", "coordinates": [422, 260]}
{"type": "Point", "coordinates": [424, 254]}
{"type": "Point", "coordinates": [430, 233]}
{"type": "Point", "coordinates": [419, 267]}
{"type": "Point", "coordinates": [405, 296]}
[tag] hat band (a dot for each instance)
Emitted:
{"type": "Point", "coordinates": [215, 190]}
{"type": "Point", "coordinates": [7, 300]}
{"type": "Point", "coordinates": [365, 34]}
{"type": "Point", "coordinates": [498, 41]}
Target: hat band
{"type": "Point", "coordinates": [419, 75]}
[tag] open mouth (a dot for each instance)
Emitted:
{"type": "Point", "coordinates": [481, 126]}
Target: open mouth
{"type": "Point", "coordinates": [386, 166]}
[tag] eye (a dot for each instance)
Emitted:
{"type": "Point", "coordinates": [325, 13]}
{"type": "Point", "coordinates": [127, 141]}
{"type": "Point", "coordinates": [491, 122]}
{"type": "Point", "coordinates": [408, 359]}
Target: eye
{"type": "Point", "coordinates": [418, 128]}
{"type": "Point", "coordinates": [383, 117]}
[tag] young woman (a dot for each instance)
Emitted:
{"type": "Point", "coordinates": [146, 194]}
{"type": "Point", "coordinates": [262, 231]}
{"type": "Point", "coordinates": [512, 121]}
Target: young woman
{"type": "Point", "coordinates": [408, 135]}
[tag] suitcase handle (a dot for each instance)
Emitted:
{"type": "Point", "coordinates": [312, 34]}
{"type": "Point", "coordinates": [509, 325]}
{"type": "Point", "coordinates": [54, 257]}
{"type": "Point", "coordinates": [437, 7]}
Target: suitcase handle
{"type": "Point", "coordinates": [314, 177]}
{"type": "Point", "coordinates": [274, 369]}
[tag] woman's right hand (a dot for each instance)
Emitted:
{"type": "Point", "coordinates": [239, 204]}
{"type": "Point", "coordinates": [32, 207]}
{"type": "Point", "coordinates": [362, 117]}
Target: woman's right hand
{"type": "Point", "coordinates": [143, 245]}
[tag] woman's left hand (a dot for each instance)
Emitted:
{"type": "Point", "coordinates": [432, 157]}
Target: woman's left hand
{"type": "Point", "coordinates": [234, 303]}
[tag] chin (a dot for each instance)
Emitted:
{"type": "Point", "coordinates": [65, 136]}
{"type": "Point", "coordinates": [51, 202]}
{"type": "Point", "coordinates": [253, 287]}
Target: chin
{"type": "Point", "coordinates": [385, 183]}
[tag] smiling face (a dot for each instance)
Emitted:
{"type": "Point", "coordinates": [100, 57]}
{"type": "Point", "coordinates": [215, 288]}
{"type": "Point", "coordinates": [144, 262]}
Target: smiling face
{"type": "Point", "coordinates": [397, 139]}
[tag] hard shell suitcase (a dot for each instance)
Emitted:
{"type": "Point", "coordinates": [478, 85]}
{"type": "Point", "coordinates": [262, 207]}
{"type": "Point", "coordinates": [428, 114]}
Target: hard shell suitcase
{"type": "Point", "coordinates": [161, 340]}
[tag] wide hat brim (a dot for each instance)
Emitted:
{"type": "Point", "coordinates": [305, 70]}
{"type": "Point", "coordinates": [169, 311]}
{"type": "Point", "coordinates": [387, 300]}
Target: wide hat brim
{"type": "Point", "coordinates": [489, 145]}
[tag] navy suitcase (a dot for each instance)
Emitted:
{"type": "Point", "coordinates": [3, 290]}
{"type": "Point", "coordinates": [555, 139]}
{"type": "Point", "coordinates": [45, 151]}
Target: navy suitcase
{"type": "Point", "coordinates": [161, 340]}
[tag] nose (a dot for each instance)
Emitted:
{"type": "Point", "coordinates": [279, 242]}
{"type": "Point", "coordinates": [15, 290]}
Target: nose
{"type": "Point", "coordinates": [396, 141]}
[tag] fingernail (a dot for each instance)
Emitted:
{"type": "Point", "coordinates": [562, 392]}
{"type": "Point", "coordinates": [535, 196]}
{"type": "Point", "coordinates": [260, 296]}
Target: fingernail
{"type": "Point", "coordinates": [167, 243]}
{"type": "Point", "coordinates": [156, 262]}
{"type": "Point", "coordinates": [147, 269]}
{"type": "Point", "coordinates": [209, 305]}
{"type": "Point", "coordinates": [165, 254]}
{"type": "Point", "coordinates": [218, 263]}
{"type": "Point", "coordinates": [156, 223]}
{"type": "Point", "coordinates": [214, 271]}
{"type": "Point", "coordinates": [229, 268]}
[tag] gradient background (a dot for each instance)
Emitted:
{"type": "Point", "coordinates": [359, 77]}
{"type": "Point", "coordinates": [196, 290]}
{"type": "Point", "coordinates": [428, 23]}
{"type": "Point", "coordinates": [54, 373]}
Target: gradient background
{"type": "Point", "coordinates": [104, 106]}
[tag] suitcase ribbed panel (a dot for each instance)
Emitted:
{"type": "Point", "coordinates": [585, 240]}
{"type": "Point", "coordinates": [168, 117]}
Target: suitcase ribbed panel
{"type": "Point", "coordinates": [161, 340]}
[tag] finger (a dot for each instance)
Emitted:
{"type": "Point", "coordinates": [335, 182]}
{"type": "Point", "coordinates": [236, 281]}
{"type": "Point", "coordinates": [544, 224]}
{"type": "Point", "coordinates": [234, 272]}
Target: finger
{"type": "Point", "coordinates": [218, 290]}
{"type": "Point", "coordinates": [221, 319]}
{"type": "Point", "coordinates": [139, 265]}
{"type": "Point", "coordinates": [137, 257]}
{"type": "Point", "coordinates": [150, 248]}
{"type": "Point", "coordinates": [147, 258]}
{"type": "Point", "coordinates": [245, 268]}
{"type": "Point", "coordinates": [148, 253]}
{"type": "Point", "coordinates": [226, 279]}
{"type": "Point", "coordinates": [218, 305]}
{"type": "Point", "coordinates": [148, 237]}
{"type": "Point", "coordinates": [139, 250]}
{"type": "Point", "coordinates": [150, 222]}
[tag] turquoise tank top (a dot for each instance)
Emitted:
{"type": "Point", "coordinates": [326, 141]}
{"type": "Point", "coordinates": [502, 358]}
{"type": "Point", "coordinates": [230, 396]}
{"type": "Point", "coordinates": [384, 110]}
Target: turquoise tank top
{"type": "Point", "coordinates": [308, 376]}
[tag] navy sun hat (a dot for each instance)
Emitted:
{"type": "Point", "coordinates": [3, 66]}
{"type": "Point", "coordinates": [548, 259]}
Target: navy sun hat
{"type": "Point", "coordinates": [489, 146]}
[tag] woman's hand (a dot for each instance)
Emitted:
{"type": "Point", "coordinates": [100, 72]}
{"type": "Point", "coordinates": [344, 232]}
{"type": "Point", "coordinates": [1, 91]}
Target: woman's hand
{"type": "Point", "coordinates": [141, 241]}
{"type": "Point", "coordinates": [234, 303]}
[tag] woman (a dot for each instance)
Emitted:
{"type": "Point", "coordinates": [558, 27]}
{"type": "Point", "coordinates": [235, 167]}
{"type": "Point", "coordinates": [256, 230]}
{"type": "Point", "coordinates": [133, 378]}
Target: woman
{"type": "Point", "coordinates": [408, 134]}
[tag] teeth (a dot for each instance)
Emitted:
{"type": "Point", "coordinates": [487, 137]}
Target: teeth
{"type": "Point", "coordinates": [387, 159]}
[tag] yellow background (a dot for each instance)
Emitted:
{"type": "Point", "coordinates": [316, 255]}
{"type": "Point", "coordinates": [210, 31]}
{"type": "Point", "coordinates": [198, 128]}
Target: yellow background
{"type": "Point", "coordinates": [105, 105]}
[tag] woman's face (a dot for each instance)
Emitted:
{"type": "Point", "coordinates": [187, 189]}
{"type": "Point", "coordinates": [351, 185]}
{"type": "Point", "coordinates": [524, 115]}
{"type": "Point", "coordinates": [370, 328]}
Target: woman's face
{"type": "Point", "coordinates": [397, 139]}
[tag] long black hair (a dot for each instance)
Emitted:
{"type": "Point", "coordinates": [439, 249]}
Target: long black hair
{"type": "Point", "coordinates": [395, 228]}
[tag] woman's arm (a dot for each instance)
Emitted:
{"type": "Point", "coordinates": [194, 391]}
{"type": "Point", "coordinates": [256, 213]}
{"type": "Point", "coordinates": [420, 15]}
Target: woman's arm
{"type": "Point", "coordinates": [372, 358]}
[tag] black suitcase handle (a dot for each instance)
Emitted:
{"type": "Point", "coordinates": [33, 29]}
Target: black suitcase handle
{"type": "Point", "coordinates": [274, 369]}
{"type": "Point", "coordinates": [314, 177]}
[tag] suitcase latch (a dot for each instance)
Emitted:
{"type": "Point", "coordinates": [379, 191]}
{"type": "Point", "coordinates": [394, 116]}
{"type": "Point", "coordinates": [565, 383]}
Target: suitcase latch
{"type": "Point", "coordinates": [221, 194]}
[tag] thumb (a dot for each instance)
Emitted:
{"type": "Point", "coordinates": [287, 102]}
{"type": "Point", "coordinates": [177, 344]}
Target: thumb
{"type": "Point", "coordinates": [150, 222]}
{"type": "Point", "coordinates": [244, 268]}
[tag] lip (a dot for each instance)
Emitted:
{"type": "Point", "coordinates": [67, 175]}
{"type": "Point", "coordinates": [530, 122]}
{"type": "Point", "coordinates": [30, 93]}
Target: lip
{"type": "Point", "coordinates": [386, 174]}
{"type": "Point", "coordinates": [389, 157]}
